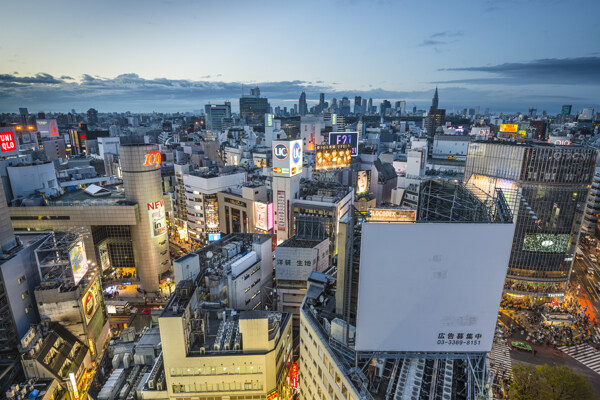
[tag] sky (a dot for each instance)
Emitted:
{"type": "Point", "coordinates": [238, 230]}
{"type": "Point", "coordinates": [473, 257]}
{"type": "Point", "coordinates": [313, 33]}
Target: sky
{"type": "Point", "coordinates": [143, 56]}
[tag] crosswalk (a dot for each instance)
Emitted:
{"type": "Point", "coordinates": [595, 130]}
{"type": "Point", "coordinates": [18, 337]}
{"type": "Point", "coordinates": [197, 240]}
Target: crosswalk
{"type": "Point", "coordinates": [585, 354]}
{"type": "Point", "coordinates": [596, 334]}
{"type": "Point", "coordinates": [499, 360]}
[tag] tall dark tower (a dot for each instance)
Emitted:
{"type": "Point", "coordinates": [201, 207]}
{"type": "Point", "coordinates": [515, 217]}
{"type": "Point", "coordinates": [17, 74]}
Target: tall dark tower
{"type": "Point", "coordinates": [435, 101]}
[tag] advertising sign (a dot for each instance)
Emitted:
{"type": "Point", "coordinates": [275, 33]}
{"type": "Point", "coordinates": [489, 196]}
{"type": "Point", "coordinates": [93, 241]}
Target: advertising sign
{"type": "Point", "coordinates": [212, 213]}
{"type": "Point", "coordinates": [261, 217]}
{"type": "Point", "coordinates": [294, 375]}
{"type": "Point", "coordinates": [281, 214]}
{"type": "Point", "coordinates": [344, 138]}
{"type": "Point", "coordinates": [547, 242]}
{"type": "Point", "coordinates": [90, 302]}
{"type": "Point", "coordinates": [363, 180]}
{"type": "Point", "coordinates": [332, 156]}
{"type": "Point", "coordinates": [153, 158]}
{"type": "Point", "coordinates": [47, 127]}
{"type": "Point", "coordinates": [566, 109]}
{"type": "Point", "coordinates": [157, 218]}
{"type": "Point", "coordinates": [287, 157]}
{"type": "Point", "coordinates": [104, 257]}
{"type": "Point", "coordinates": [214, 236]}
{"type": "Point", "coordinates": [423, 301]}
{"type": "Point", "coordinates": [269, 119]}
{"type": "Point", "coordinates": [391, 215]}
{"type": "Point", "coordinates": [270, 216]}
{"type": "Point", "coordinates": [78, 261]}
{"type": "Point", "coordinates": [480, 131]}
{"type": "Point", "coordinates": [7, 142]}
{"type": "Point", "coordinates": [512, 128]}
{"type": "Point", "coordinates": [522, 133]}
{"type": "Point", "coordinates": [272, 396]}
{"type": "Point", "coordinates": [560, 140]}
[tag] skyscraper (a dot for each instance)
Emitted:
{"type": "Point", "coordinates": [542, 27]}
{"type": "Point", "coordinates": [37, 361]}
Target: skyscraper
{"type": "Point", "coordinates": [370, 106]}
{"type": "Point", "coordinates": [436, 99]}
{"type": "Point", "coordinates": [92, 116]}
{"type": "Point", "coordinates": [546, 188]}
{"type": "Point", "coordinates": [215, 113]}
{"type": "Point", "coordinates": [253, 107]}
{"type": "Point", "coordinates": [302, 106]}
{"type": "Point", "coordinates": [357, 105]}
{"type": "Point", "coordinates": [321, 102]}
{"type": "Point", "coordinates": [435, 118]}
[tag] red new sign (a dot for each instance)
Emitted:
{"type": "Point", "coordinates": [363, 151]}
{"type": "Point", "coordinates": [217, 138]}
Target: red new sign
{"type": "Point", "coordinates": [153, 158]}
{"type": "Point", "coordinates": [7, 141]}
{"type": "Point", "coordinates": [156, 205]}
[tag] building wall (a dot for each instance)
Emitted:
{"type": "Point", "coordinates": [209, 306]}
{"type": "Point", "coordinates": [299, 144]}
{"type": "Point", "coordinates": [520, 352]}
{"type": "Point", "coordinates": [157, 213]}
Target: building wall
{"type": "Point", "coordinates": [319, 373]}
{"type": "Point", "coordinates": [25, 180]}
{"type": "Point", "coordinates": [282, 207]}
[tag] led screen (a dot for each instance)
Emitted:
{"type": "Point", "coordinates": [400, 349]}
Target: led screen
{"type": "Point", "coordinates": [546, 242]}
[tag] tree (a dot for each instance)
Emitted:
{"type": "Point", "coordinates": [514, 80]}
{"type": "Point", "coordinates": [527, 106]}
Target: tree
{"type": "Point", "coordinates": [548, 383]}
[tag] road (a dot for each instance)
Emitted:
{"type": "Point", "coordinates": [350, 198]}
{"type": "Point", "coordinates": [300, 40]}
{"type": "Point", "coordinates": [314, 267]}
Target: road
{"type": "Point", "coordinates": [588, 289]}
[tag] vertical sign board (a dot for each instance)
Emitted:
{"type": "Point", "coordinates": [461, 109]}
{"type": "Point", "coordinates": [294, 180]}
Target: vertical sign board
{"type": "Point", "coordinates": [281, 214]}
{"type": "Point", "coordinates": [78, 261]}
{"type": "Point", "coordinates": [157, 218]}
{"type": "Point", "coordinates": [270, 216]}
{"type": "Point", "coordinates": [47, 127]}
{"type": "Point", "coordinates": [90, 302]}
{"type": "Point", "coordinates": [8, 144]}
{"type": "Point", "coordinates": [294, 375]}
{"type": "Point", "coordinates": [345, 138]}
{"type": "Point", "coordinates": [363, 179]}
{"type": "Point", "coordinates": [260, 216]}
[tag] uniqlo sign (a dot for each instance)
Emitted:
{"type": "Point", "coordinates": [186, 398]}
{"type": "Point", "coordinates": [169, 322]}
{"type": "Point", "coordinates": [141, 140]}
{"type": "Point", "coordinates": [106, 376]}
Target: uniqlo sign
{"type": "Point", "coordinates": [7, 141]}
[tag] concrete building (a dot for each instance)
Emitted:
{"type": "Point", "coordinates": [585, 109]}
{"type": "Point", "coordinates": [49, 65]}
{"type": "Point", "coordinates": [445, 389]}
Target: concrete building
{"type": "Point", "coordinates": [217, 116]}
{"type": "Point", "coordinates": [318, 210]}
{"type": "Point", "coordinates": [245, 209]}
{"type": "Point", "coordinates": [212, 351]}
{"type": "Point", "coordinates": [253, 107]}
{"type": "Point", "coordinates": [35, 178]}
{"type": "Point", "coordinates": [295, 259]}
{"type": "Point", "coordinates": [450, 147]}
{"type": "Point", "coordinates": [54, 148]}
{"type": "Point", "coordinates": [202, 204]}
{"type": "Point", "coordinates": [51, 351]}
{"type": "Point", "coordinates": [108, 145]}
{"type": "Point", "coordinates": [592, 208]}
{"type": "Point", "coordinates": [236, 271]}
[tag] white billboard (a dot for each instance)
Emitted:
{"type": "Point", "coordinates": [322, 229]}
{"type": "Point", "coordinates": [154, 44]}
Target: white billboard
{"type": "Point", "coordinates": [47, 127]}
{"type": "Point", "coordinates": [261, 216]}
{"type": "Point", "coordinates": [157, 218]}
{"type": "Point", "coordinates": [78, 261]}
{"type": "Point", "coordinates": [431, 287]}
{"type": "Point", "coordinates": [287, 157]}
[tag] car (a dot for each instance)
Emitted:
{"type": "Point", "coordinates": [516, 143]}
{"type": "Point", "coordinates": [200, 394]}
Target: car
{"type": "Point", "coordinates": [590, 270]}
{"type": "Point", "coordinates": [593, 259]}
{"type": "Point", "coordinates": [579, 257]}
{"type": "Point", "coordinates": [521, 346]}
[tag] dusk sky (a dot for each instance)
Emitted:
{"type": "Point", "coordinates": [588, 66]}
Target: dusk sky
{"type": "Point", "coordinates": [119, 55]}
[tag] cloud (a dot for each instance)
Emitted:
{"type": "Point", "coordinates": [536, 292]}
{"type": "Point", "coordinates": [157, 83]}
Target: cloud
{"type": "Point", "coordinates": [130, 92]}
{"type": "Point", "coordinates": [566, 71]}
{"type": "Point", "coordinates": [441, 38]}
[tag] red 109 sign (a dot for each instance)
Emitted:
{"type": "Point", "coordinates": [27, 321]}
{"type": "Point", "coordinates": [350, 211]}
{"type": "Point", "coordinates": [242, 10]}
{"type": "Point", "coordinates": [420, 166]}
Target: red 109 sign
{"type": "Point", "coordinates": [153, 158]}
{"type": "Point", "coordinates": [7, 141]}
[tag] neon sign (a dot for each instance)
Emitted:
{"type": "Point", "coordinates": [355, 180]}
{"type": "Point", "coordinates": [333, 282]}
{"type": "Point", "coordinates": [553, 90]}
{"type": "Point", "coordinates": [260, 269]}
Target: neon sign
{"type": "Point", "coordinates": [153, 158]}
{"type": "Point", "coordinates": [7, 141]}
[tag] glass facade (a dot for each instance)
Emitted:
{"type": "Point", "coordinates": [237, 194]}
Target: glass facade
{"type": "Point", "coordinates": [550, 186]}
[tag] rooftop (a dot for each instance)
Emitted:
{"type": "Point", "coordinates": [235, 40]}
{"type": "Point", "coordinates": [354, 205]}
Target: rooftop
{"type": "Point", "coordinates": [116, 197]}
{"type": "Point", "coordinates": [300, 243]}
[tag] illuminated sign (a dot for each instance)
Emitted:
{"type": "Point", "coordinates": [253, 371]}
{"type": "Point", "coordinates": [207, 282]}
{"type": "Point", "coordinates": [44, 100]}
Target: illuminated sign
{"type": "Point", "coordinates": [513, 128]}
{"type": "Point", "coordinates": [547, 242]}
{"type": "Point", "coordinates": [522, 133]}
{"type": "Point", "coordinates": [330, 156]}
{"type": "Point", "coordinates": [269, 119]}
{"type": "Point", "coordinates": [270, 216]}
{"type": "Point", "coordinates": [7, 141]}
{"type": "Point", "coordinates": [334, 119]}
{"type": "Point", "coordinates": [78, 261]}
{"type": "Point", "coordinates": [74, 384]}
{"type": "Point", "coordinates": [287, 157]}
{"type": "Point", "coordinates": [214, 236]}
{"type": "Point", "coordinates": [391, 215]}
{"type": "Point", "coordinates": [560, 141]}
{"type": "Point", "coordinates": [280, 151]}
{"type": "Point", "coordinates": [362, 181]}
{"type": "Point", "coordinates": [294, 375]}
{"type": "Point", "coordinates": [480, 131]}
{"type": "Point", "coordinates": [153, 158]}
{"type": "Point", "coordinates": [344, 138]}
{"type": "Point", "coordinates": [272, 396]}
{"type": "Point", "coordinates": [212, 213]}
{"type": "Point", "coordinates": [281, 215]}
{"type": "Point", "coordinates": [261, 216]}
{"type": "Point", "coordinates": [157, 218]}
{"type": "Point", "coordinates": [91, 302]}
{"type": "Point", "coordinates": [47, 127]}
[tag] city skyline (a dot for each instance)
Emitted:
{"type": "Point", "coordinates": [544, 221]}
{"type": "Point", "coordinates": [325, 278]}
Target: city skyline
{"type": "Point", "coordinates": [151, 58]}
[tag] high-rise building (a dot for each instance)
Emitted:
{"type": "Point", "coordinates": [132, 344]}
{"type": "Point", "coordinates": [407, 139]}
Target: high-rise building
{"type": "Point", "coordinates": [546, 187]}
{"type": "Point", "coordinates": [92, 116]}
{"type": "Point", "coordinates": [302, 107]}
{"type": "Point", "coordinates": [370, 106]}
{"type": "Point", "coordinates": [364, 106]}
{"type": "Point", "coordinates": [357, 105]}
{"type": "Point", "coordinates": [215, 116]}
{"type": "Point", "coordinates": [140, 165]}
{"type": "Point", "coordinates": [435, 118]}
{"type": "Point", "coordinates": [435, 101]}
{"type": "Point", "coordinates": [253, 107]}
